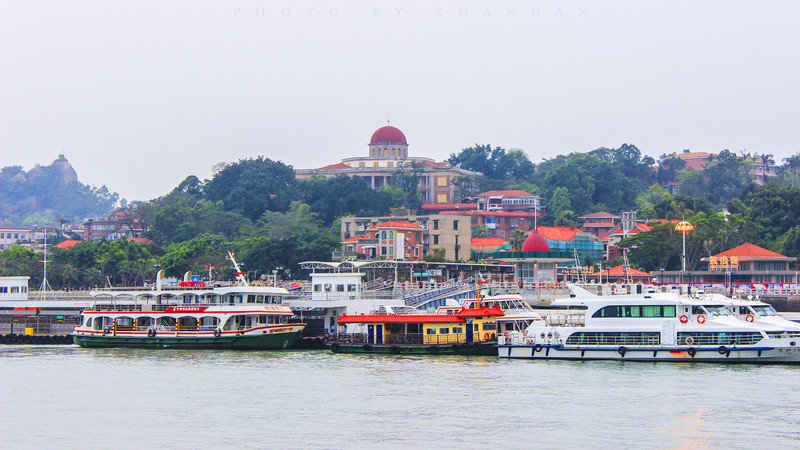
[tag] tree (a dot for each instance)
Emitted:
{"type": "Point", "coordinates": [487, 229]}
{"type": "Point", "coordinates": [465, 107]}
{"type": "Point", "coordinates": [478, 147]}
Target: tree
{"type": "Point", "coordinates": [494, 163]}
{"type": "Point", "coordinates": [252, 186]}
{"type": "Point", "coordinates": [406, 177]}
{"type": "Point", "coordinates": [517, 239]}
{"type": "Point", "coordinates": [481, 231]}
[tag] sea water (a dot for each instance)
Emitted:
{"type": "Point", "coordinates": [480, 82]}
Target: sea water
{"type": "Point", "coordinates": [70, 397]}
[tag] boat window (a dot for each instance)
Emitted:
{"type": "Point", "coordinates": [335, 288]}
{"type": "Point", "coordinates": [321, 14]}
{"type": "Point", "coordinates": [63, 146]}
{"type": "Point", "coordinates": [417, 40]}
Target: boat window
{"type": "Point", "coordinates": [124, 321]}
{"type": "Point", "coordinates": [636, 311]}
{"type": "Point", "coordinates": [262, 319]}
{"type": "Point", "coordinates": [765, 311]}
{"type": "Point", "coordinates": [317, 288]}
{"type": "Point", "coordinates": [239, 298]}
{"type": "Point", "coordinates": [458, 330]}
{"type": "Point", "coordinates": [167, 322]}
{"type": "Point", "coordinates": [187, 322]}
{"type": "Point", "coordinates": [444, 330]}
{"type": "Point", "coordinates": [251, 298]}
{"type": "Point", "coordinates": [208, 323]}
{"type": "Point", "coordinates": [717, 310]}
{"type": "Point", "coordinates": [612, 338]}
{"type": "Point", "coordinates": [489, 326]}
{"type": "Point", "coordinates": [351, 288]}
{"type": "Point", "coordinates": [698, 310]}
{"type": "Point", "coordinates": [89, 322]}
{"type": "Point", "coordinates": [259, 299]}
{"type": "Point", "coordinates": [713, 338]}
{"type": "Point", "coordinates": [430, 331]}
{"type": "Point", "coordinates": [271, 319]}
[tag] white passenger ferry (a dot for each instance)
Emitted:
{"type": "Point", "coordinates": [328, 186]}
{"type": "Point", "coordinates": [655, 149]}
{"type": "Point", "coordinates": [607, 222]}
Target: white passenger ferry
{"type": "Point", "coordinates": [651, 327]}
{"type": "Point", "coordinates": [194, 316]}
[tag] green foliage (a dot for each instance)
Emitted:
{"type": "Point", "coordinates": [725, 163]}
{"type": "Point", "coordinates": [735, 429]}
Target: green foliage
{"type": "Point", "coordinates": [517, 239]}
{"type": "Point", "coordinates": [775, 208]}
{"type": "Point", "coordinates": [406, 177]}
{"type": "Point", "coordinates": [253, 186]}
{"type": "Point", "coordinates": [789, 243]}
{"type": "Point", "coordinates": [680, 207]}
{"type": "Point", "coordinates": [481, 231]}
{"type": "Point", "coordinates": [42, 195]}
{"type": "Point", "coordinates": [496, 164]}
{"type": "Point", "coordinates": [180, 222]}
{"type": "Point", "coordinates": [726, 178]}
{"type": "Point", "coordinates": [330, 198]}
{"type": "Point", "coordinates": [436, 255]}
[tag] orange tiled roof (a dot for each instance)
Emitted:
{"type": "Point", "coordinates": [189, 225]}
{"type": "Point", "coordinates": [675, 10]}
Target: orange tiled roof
{"type": "Point", "coordinates": [335, 166]}
{"type": "Point", "coordinates": [751, 251]}
{"type": "Point", "coordinates": [618, 271]}
{"type": "Point", "coordinates": [600, 214]}
{"type": "Point", "coordinates": [453, 206]}
{"type": "Point", "coordinates": [559, 233]}
{"type": "Point", "coordinates": [68, 243]}
{"type": "Point", "coordinates": [509, 193]}
{"type": "Point", "coordinates": [396, 224]}
{"type": "Point", "coordinates": [140, 240]}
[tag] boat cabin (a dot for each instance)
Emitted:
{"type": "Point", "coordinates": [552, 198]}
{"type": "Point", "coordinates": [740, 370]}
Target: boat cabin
{"type": "Point", "coordinates": [467, 325]}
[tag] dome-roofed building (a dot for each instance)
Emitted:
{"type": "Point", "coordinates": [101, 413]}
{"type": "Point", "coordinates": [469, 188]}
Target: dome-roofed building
{"type": "Point", "coordinates": [535, 243]}
{"type": "Point", "coordinates": [388, 151]}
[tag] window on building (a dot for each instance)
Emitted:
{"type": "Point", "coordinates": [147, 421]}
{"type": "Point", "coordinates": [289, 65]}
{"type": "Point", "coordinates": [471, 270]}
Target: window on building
{"type": "Point", "coordinates": [339, 288]}
{"type": "Point", "coordinates": [435, 224]}
{"type": "Point", "coordinates": [441, 198]}
{"type": "Point", "coordinates": [389, 164]}
{"type": "Point", "coordinates": [375, 164]}
{"type": "Point", "coordinates": [441, 181]}
{"type": "Point", "coordinates": [361, 164]}
{"type": "Point", "coordinates": [435, 239]}
{"type": "Point", "coordinates": [455, 224]}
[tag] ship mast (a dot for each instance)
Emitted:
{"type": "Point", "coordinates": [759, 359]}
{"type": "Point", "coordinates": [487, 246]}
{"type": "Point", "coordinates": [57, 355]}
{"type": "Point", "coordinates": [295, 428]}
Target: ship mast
{"type": "Point", "coordinates": [239, 274]}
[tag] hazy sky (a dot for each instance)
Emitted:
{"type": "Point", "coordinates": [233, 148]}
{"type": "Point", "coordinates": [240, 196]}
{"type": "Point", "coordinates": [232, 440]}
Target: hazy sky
{"type": "Point", "coordinates": [140, 94]}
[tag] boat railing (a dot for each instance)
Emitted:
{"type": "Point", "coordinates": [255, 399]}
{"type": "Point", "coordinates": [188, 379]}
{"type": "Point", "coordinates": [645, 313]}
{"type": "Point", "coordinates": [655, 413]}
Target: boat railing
{"type": "Point", "coordinates": [399, 339]}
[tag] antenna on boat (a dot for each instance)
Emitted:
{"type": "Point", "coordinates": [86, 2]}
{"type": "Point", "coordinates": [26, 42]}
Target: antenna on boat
{"type": "Point", "coordinates": [239, 274]}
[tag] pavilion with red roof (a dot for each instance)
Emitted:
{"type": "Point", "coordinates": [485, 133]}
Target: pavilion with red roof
{"type": "Point", "coordinates": [388, 153]}
{"type": "Point", "coordinates": [747, 264]}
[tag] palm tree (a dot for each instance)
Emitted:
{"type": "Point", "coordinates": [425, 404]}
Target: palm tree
{"type": "Point", "coordinates": [793, 163]}
{"type": "Point", "coordinates": [517, 239]}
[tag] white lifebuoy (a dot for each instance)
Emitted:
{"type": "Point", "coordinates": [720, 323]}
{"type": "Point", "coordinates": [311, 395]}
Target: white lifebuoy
{"type": "Point", "coordinates": [701, 319]}
{"type": "Point", "coordinates": [749, 318]}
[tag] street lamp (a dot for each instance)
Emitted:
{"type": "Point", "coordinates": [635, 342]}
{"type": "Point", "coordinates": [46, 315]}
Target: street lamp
{"type": "Point", "coordinates": [274, 277]}
{"type": "Point", "coordinates": [684, 227]}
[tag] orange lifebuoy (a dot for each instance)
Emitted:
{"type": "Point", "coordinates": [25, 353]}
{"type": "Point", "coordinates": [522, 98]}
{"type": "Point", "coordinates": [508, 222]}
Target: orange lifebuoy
{"type": "Point", "coordinates": [485, 336]}
{"type": "Point", "coordinates": [521, 283]}
{"type": "Point", "coordinates": [505, 334]}
{"type": "Point", "coordinates": [684, 318]}
{"type": "Point", "coordinates": [701, 319]}
{"type": "Point", "coordinates": [749, 318]}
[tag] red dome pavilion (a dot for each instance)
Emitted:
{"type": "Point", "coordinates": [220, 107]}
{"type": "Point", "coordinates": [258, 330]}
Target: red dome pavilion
{"type": "Point", "coordinates": [535, 243]}
{"type": "Point", "coordinates": [388, 135]}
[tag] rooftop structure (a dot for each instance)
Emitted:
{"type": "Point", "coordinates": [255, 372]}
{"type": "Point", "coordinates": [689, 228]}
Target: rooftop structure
{"type": "Point", "coordinates": [388, 154]}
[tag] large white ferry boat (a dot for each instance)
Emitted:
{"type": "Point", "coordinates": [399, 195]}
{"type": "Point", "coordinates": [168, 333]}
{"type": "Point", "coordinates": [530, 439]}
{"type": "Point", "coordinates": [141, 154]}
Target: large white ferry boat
{"type": "Point", "coordinates": [655, 327]}
{"type": "Point", "coordinates": [194, 316]}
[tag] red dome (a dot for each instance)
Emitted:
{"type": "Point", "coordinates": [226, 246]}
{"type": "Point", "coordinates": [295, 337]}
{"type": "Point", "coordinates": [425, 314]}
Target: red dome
{"type": "Point", "coordinates": [535, 243]}
{"type": "Point", "coordinates": [388, 134]}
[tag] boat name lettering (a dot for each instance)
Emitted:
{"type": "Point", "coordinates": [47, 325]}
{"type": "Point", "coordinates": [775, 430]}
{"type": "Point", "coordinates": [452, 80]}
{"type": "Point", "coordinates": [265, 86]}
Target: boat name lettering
{"type": "Point", "coordinates": [186, 309]}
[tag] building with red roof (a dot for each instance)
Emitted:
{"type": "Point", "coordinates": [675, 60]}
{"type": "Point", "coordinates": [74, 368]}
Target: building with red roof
{"type": "Point", "coordinates": [391, 240]}
{"type": "Point", "coordinates": [747, 263]}
{"type": "Point", "coordinates": [388, 153]}
{"type": "Point", "coordinates": [761, 168]}
{"type": "Point", "coordinates": [68, 243]}
{"type": "Point", "coordinates": [431, 232]}
{"type": "Point", "coordinates": [622, 274]}
{"type": "Point", "coordinates": [571, 239]}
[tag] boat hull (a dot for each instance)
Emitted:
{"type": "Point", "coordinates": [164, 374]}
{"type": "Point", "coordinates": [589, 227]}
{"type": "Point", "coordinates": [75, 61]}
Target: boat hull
{"type": "Point", "coordinates": [473, 349]}
{"type": "Point", "coordinates": [237, 341]}
{"type": "Point", "coordinates": [758, 355]}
